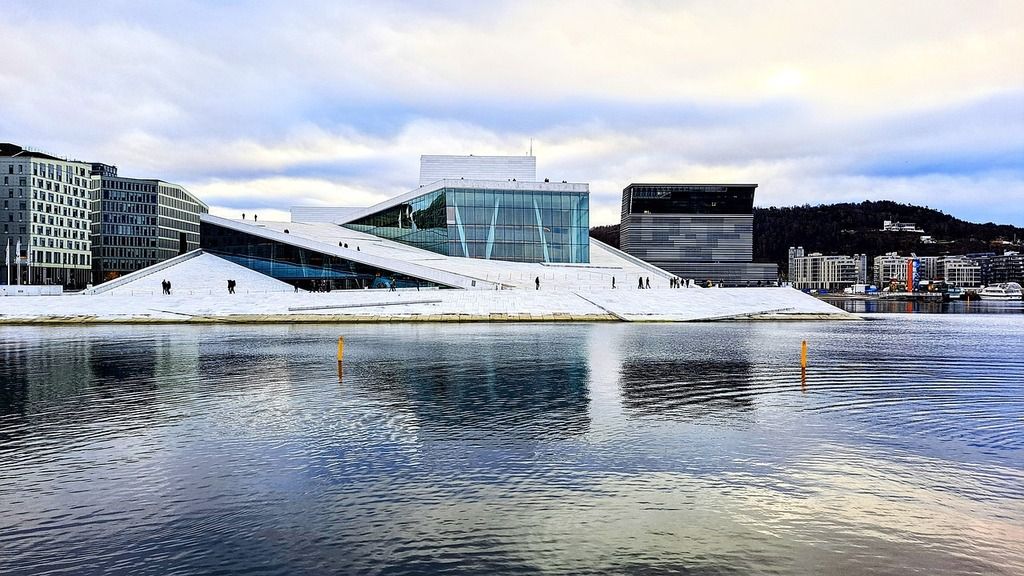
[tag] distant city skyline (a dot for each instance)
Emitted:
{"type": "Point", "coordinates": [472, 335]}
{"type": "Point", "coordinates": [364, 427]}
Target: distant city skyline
{"type": "Point", "coordinates": [255, 107]}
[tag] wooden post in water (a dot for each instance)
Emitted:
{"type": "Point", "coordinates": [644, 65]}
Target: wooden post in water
{"type": "Point", "coordinates": [803, 354]}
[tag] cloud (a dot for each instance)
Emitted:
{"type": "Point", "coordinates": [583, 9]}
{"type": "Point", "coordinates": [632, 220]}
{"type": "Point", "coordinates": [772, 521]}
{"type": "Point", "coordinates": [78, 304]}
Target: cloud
{"type": "Point", "coordinates": [815, 101]}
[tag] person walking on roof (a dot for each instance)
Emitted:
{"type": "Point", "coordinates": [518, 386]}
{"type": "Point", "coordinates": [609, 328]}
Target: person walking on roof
{"type": "Point", "coordinates": [537, 282]}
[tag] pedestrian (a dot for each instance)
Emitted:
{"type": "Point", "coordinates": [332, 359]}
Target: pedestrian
{"type": "Point", "coordinates": [613, 282]}
{"type": "Point", "coordinates": [255, 217]}
{"type": "Point", "coordinates": [243, 215]}
{"type": "Point", "coordinates": [537, 282]}
{"type": "Point", "coordinates": [648, 283]}
{"type": "Point", "coordinates": [640, 283]}
{"type": "Point", "coordinates": [168, 287]}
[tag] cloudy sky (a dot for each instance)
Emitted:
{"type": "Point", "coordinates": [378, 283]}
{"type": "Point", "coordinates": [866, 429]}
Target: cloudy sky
{"type": "Point", "coordinates": [257, 106]}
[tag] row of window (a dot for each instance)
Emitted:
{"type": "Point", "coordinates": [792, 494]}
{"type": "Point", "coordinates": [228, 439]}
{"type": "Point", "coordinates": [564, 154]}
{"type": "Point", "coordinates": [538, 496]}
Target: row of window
{"type": "Point", "coordinates": [124, 241]}
{"type": "Point", "coordinates": [58, 243]}
{"type": "Point", "coordinates": [48, 257]}
{"type": "Point", "coordinates": [119, 252]}
{"type": "Point", "coordinates": [57, 187]}
{"type": "Point", "coordinates": [57, 232]}
{"type": "Point", "coordinates": [57, 172]}
{"type": "Point", "coordinates": [124, 185]}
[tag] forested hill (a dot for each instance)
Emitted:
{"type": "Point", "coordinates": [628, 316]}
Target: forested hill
{"type": "Point", "coordinates": [856, 229]}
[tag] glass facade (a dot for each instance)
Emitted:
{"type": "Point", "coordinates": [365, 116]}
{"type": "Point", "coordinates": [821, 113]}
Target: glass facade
{"type": "Point", "coordinates": [690, 199]}
{"type": "Point", "coordinates": [512, 225]}
{"type": "Point", "coordinates": [307, 269]}
{"type": "Point", "coordinates": [137, 223]}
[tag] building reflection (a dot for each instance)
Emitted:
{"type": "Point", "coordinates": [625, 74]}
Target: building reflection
{"type": "Point", "coordinates": [480, 388]}
{"type": "Point", "coordinates": [689, 388]}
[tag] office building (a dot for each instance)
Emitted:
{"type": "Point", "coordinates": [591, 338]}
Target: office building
{"type": "Point", "coordinates": [696, 231]}
{"type": "Point", "coordinates": [44, 206]}
{"type": "Point", "coordinates": [138, 222]}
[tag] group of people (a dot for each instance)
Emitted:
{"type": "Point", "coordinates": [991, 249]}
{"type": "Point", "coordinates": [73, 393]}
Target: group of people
{"type": "Point", "coordinates": [231, 286]}
{"type": "Point", "coordinates": [318, 286]}
{"type": "Point", "coordinates": [166, 285]}
{"type": "Point", "coordinates": [675, 282]}
{"type": "Point", "coordinates": [641, 284]}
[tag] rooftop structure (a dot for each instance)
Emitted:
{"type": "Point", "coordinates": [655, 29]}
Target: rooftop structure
{"type": "Point", "coordinates": [440, 167]}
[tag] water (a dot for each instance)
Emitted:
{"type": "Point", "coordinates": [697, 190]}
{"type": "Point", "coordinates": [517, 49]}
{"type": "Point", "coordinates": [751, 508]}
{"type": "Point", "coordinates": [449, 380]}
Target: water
{"type": "Point", "coordinates": [862, 306]}
{"type": "Point", "coordinates": [515, 449]}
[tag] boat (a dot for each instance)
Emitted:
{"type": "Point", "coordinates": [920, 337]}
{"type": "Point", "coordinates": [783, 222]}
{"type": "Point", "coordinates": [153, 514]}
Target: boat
{"type": "Point", "coordinates": [1004, 291]}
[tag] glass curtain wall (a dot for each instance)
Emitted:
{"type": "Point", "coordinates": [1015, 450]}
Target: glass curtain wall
{"type": "Point", "coordinates": [307, 269]}
{"type": "Point", "coordinates": [512, 225]}
{"type": "Point", "coordinates": [419, 222]}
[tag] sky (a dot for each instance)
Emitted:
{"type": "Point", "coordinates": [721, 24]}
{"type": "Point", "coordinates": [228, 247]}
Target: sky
{"type": "Point", "coordinates": [258, 106]}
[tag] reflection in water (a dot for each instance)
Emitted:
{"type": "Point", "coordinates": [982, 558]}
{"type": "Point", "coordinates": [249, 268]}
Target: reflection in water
{"type": "Point", "coordinates": [514, 449]}
{"type": "Point", "coordinates": [861, 306]}
{"type": "Point", "coordinates": [490, 385]}
{"type": "Point", "coordinates": [689, 388]}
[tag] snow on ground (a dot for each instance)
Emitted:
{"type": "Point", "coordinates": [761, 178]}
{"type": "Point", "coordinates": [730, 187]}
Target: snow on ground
{"type": "Point", "coordinates": [409, 304]}
{"type": "Point", "coordinates": [202, 274]}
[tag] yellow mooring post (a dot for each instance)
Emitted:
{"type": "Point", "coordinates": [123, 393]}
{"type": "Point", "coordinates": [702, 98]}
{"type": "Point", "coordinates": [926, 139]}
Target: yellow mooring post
{"type": "Point", "coordinates": [803, 354]}
{"type": "Point", "coordinates": [341, 354]}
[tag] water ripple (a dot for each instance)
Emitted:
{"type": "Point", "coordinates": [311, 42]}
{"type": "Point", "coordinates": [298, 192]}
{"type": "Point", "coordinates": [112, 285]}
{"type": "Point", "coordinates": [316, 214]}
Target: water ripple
{"type": "Point", "coordinates": [563, 449]}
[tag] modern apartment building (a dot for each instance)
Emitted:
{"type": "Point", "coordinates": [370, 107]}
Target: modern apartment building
{"type": "Point", "coordinates": [44, 206]}
{"type": "Point", "coordinates": [139, 222]}
{"type": "Point", "coordinates": [696, 231]}
{"type": "Point", "coordinates": [892, 267]}
{"type": "Point", "coordinates": [816, 271]}
{"type": "Point", "coordinates": [960, 271]}
{"type": "Point", "coordinates": [1007, 267]}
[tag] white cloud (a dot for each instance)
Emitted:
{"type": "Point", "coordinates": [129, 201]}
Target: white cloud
{"type": "Point", "coordinates": [270, 104]}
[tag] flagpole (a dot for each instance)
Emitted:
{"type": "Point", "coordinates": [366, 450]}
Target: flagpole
{"type": "Point", "coordinates": [17, 260]}
{"type": "Point", "coordinates": [7, 260]}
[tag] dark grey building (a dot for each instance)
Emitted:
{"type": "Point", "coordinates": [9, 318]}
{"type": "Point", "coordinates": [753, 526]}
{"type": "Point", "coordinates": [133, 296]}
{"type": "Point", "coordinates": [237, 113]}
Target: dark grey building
{"type": "Point", "coordinates": [702, 232]}
{"type": "Point", "coordinates": [1007, 267]}
{"type": "Point", "coordinates": [139, 222]}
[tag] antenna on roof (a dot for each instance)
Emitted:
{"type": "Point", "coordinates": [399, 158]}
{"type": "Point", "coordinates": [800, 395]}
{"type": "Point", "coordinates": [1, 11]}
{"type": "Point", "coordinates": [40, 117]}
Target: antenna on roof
{"type": "Point", "coordinates": [531, 146]}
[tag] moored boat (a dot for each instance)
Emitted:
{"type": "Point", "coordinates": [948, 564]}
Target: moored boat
{"type": "Point", "coordinates": [1002, 291]}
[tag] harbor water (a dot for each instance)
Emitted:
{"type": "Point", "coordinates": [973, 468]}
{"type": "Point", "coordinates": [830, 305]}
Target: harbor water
{"type": "Point", "coordinates": [515, 449]}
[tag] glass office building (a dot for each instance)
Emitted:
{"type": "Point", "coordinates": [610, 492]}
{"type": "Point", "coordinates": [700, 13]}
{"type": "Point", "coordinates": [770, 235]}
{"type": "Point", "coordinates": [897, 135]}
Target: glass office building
{"type": "Point", "coordinates": [139, 222]}
{"type": "Point", "coordinates": [521, 222]}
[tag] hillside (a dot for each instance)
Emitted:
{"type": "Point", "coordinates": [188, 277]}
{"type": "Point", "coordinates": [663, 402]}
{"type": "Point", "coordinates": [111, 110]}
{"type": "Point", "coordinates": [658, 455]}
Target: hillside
{"type": "Point", "coordinates": [856, 229]}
